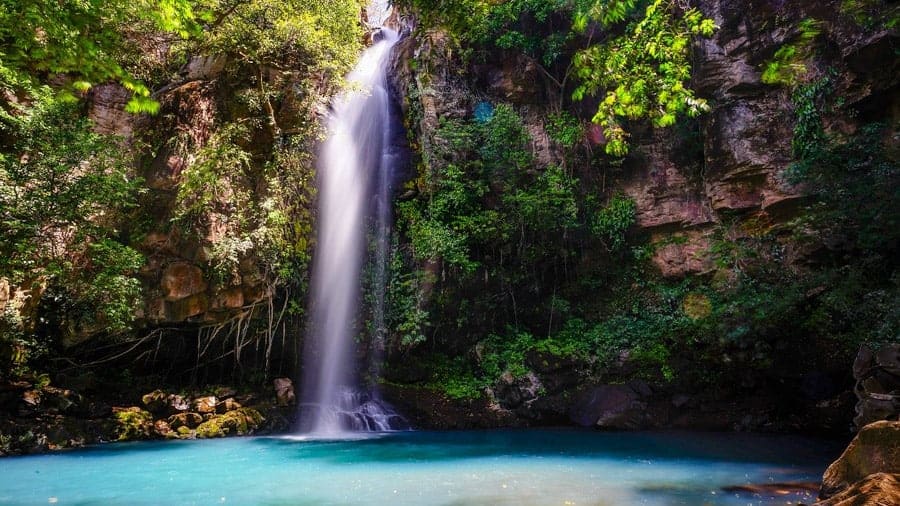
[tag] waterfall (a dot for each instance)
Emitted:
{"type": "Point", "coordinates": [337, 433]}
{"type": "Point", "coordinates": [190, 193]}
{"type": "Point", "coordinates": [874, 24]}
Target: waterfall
{"type": "Point", "coordinates": [355, 171]}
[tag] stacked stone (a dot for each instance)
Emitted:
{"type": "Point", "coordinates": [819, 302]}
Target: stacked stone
{"type": "Point", "coordinates": [877, 376]}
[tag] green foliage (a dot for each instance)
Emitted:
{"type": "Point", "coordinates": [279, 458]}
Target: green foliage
{"type": "Point", "coordinates": [642, 72]}
{"type": "Point", "coordinates": [318, 38]}
{"type": "Point", "coordinates": [613, 220]}
{"type": "Point", "coordinates": [85, 41]}
{"type": "Point", "coordinates": [854, 178]}
{"type": "Point", "coordinates": [133, 424]}
{"type": "Point", "coordinates": [872, 14]}
{"type": "Point", "coordinates": [454, 377]}
{"type": "Point", "coordinates": [564, 129]}
{"type": "Point", "coordinates": [788, 64]}
{"type": "Point", "coordinates": [64, 192]}
{"type": "Point", "coordinates": [221, 188]}
{"type": "Point", "coordinates": [405, 313]}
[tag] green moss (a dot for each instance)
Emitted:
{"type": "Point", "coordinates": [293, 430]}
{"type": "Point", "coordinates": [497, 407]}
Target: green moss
{"type": "Point", "coordinates": [133, 424]}
{"type": "Point", "coordinates": [239, 422]}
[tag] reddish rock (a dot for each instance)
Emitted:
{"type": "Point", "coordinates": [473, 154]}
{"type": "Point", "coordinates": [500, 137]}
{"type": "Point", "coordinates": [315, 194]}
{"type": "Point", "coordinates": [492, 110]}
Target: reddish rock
{"type": "Point", "coordinates": [682, 254]}
{"type": "Point", "coordinates": [181, 310]}
{"type": "Point", "coordinates": [231, 298]}
{"type": "Point", "coordinates": [177, 404]}
{"type": "Point", "coordinates": [181, 280]}
{"type": "Point", "coordinates": [161, 428]}
{"type": "Point", "coordinates": [205, 405]}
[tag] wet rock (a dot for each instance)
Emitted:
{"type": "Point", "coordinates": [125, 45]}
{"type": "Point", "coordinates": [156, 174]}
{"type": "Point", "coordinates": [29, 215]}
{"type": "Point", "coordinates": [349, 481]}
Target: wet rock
{"type": "Point", "coordinates": [284, 391]}
{"type": "Point", "coordinates": [31, 397]}
{"type": "Point", "coordinates": [189, 420]}
{"type": "Point", "coordinates": [875, 449]}
{"type": "Point", "coordinates": [205, 405]}
{"type": "Point", "coordinates": [879, 489]}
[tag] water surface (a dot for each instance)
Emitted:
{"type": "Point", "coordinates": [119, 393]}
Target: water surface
{"type": "Point", "coordinates": [534, 467]}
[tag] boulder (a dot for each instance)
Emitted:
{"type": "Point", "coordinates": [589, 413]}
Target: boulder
{"type": "Point", "coordinates": [610, 407]}
{"type": "Point", "coordinates": [205, 405]}
{"type": "Point", "coordinates": [682, 254]}
{"type": "Point", "coordinates": [876, 449]}
{"type": "Point", "coordinates": [284, 391]}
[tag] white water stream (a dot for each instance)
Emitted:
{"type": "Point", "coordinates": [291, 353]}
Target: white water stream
{"type": "Point", "coordinates": [354, 170]}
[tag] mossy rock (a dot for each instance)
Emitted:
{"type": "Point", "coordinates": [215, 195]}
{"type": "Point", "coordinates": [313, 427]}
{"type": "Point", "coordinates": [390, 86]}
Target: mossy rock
{"type": "Point", "coordinates": [239, 422]}
{"type": "Point", "coordinates": [133, 423]}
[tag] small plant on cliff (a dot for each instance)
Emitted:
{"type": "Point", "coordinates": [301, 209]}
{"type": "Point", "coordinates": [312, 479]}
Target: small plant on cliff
{"type": "Point", "coordinates": [613, 220]}
{"type": "Point", "coordinates": [788, 65]}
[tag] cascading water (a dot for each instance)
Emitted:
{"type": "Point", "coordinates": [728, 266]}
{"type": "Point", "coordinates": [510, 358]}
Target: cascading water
{"type": "Point", "coordinates": [355, 166]}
